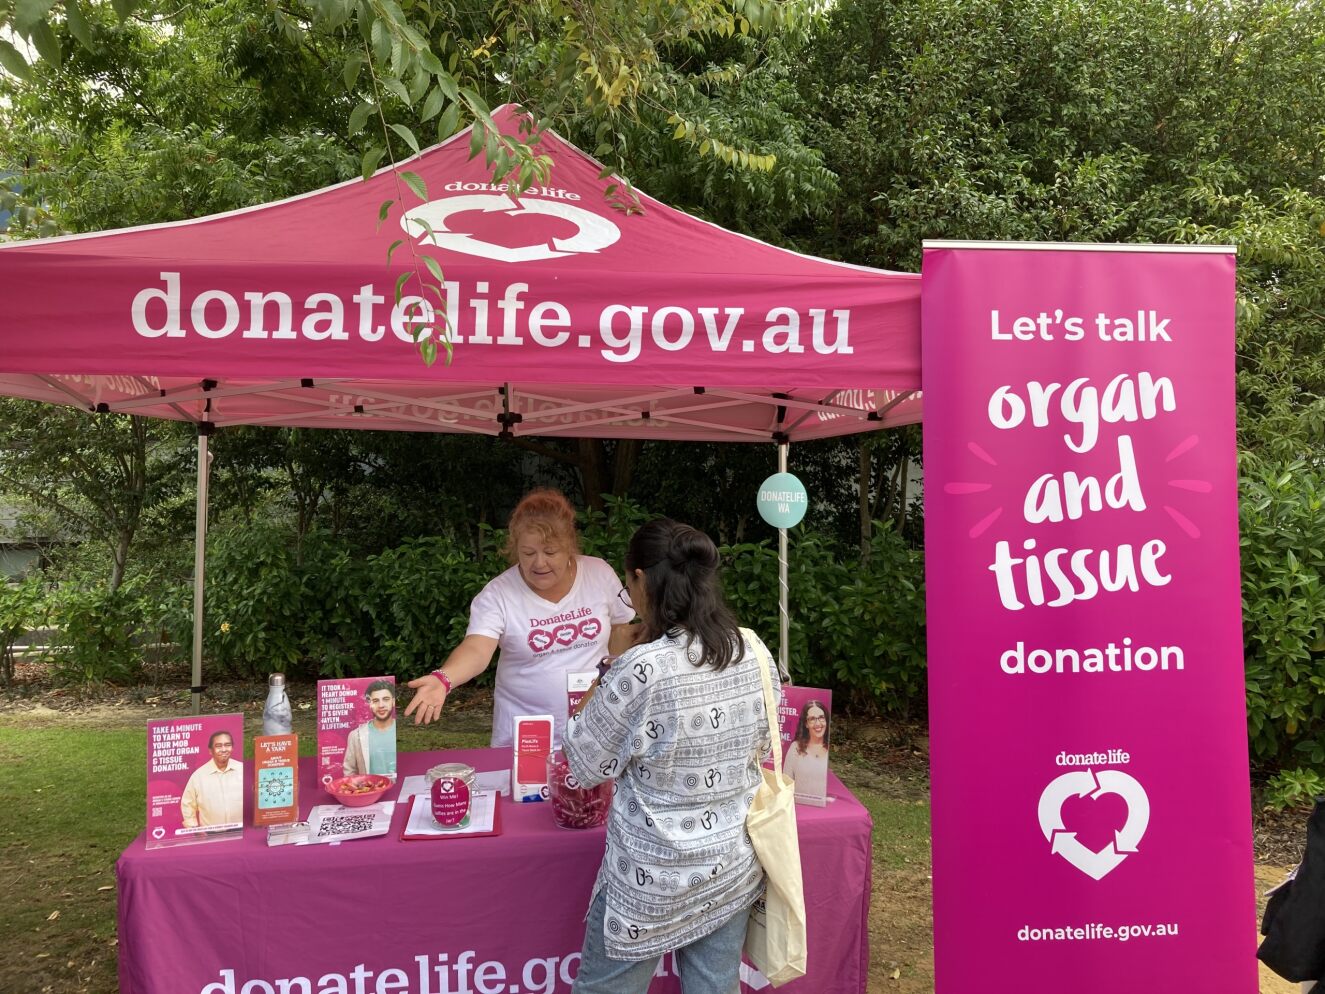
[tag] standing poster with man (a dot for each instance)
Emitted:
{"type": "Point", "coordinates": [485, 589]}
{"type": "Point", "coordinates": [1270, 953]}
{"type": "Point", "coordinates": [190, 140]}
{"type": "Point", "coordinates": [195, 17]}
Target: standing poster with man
{"type": "Point", "coordinates": [356, 727]}
{"type": "Point", "coordinates": [195, 780]}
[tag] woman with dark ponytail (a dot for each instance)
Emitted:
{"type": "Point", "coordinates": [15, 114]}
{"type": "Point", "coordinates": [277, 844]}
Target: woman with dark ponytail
{"type": "Point", "coordinates": [679, 723]}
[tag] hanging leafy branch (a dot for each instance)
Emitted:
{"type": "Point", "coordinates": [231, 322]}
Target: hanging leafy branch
{"type": "Point", "coordinates": [434, 59]}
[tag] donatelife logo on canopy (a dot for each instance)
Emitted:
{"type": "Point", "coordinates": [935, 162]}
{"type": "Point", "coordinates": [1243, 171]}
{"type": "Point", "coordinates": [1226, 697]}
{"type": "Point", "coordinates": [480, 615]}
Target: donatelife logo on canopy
{"type": "Point", "coordinates": [436, 223]}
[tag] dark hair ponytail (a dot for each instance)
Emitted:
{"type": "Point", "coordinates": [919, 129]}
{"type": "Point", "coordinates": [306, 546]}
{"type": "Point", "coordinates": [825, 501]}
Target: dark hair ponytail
{"type": "Point", "coordinates": [680, 566]}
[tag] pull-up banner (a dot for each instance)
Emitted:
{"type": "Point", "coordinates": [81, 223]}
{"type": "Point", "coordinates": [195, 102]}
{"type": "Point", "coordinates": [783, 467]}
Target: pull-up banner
{"type": "Point", "coordinates": [1092, 822]}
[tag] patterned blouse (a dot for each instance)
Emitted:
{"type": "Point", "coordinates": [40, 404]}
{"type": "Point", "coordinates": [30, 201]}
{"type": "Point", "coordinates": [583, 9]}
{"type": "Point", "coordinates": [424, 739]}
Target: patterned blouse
{"type": "Point", "coordinates": [684, 745]}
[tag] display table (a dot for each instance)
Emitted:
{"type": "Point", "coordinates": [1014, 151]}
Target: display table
{"type": "Point", "coordinates": [497, 915]}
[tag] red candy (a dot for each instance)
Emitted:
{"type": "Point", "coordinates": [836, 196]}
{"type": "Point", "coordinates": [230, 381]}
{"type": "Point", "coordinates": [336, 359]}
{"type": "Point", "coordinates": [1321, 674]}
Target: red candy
{"type": "Point", "coordinates": [574, 806]}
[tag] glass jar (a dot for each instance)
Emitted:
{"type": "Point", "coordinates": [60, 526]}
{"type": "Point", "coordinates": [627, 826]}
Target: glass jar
{"type": "Point", "coordinates": [443, 800]}
{"type": "Point", "coordinates": [574, 806]}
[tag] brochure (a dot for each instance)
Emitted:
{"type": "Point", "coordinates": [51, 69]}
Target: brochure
{"type": "Point", "coordinates": [356, 727]}
{"type": "Point", "coordinates": [577, 688]}
{"type": "Point", "coordinates": [337, 823]}
{"type": "Point", "coordinates": [530, 746]}
{"type": "Point", "coordinates": [293, 834]}
{"type": "Point", "coordinates": [195, 780]}
{"type": "Point", "coordinates": [275, 780]}
{"type": "Point", "coordinates": [805, 723]}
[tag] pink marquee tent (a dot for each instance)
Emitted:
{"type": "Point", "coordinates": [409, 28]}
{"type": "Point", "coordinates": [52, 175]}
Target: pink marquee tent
{"type": "Point", "coordinates": [567, 317]}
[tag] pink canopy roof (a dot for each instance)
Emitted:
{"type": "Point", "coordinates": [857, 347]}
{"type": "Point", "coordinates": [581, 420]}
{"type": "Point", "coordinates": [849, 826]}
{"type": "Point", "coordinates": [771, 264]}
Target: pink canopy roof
{"type": "Point", "coordinates": [568, 316]}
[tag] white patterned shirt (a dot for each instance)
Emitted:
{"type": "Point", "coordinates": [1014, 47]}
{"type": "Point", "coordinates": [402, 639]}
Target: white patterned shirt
{"type": "Point", "coordinates": [684, 744]}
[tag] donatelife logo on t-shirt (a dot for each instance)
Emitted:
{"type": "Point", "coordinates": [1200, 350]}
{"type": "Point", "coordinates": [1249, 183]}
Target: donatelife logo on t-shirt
{"type": "Point", "coordinates": [563, 631]}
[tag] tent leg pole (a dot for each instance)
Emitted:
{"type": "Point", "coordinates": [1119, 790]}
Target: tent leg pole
{"type": "Point", "coordinates": [199, 561]}
{"type": "Point", "coordinates": [784, 617]}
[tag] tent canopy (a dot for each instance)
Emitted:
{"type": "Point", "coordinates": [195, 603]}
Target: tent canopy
{"type": "Point", "coordinates": [566, 315]}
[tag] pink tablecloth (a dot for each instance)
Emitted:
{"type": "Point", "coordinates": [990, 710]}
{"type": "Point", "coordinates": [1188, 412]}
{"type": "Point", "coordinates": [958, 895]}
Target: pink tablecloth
{"type": "Point", "coordinates": [500, 915]}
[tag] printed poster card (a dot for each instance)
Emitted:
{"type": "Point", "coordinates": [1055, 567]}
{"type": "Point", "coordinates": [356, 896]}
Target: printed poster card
{"type": "Point", "coordinates": [577, 687]}
{"type": "Point", "coordinates": [531, 743]}
{"type": "Point", "coordinates": [337, 823]}
{"type": "Point", "coordinates": [275, 780]}
{"type": "Point", "coordinates": [805, 724]}
{"type": "Point", "coordinates": [356, 727]}
{"type": "Point", "coordinates": [195, 780]}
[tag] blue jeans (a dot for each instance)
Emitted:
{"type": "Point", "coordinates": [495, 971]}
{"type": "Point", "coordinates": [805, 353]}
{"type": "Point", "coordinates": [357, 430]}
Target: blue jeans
{"type": "Point", "coordinates": [711, 965]}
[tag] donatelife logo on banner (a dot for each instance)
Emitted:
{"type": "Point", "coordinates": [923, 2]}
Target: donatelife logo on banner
{"type": "Point", "coordinates": [1091, 817]}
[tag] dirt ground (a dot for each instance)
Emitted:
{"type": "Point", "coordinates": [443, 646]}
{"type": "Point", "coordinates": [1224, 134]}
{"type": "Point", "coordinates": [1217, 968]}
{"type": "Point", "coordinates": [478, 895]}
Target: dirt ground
{"type": "Point", "coordinates": [880, 759]}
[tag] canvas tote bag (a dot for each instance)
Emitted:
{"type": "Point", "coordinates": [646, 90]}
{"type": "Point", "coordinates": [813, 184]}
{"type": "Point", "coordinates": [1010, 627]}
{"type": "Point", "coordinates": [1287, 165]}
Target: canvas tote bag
{"type": "Point", "coordinates": [775, 940]}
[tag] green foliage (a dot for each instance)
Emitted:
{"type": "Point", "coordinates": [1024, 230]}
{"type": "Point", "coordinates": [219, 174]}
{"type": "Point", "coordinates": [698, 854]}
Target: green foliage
{"type": "Point", "coordinates": [1281, 301]}
{"type": "Point", "coordinates": [878, 623]}
{"type": "Point", "coordinates": [606, 533]}
{"type": "Point", "coordinates": [1296, 788]}
{"type": "Point", "coordinates": [208, 98]}
{"type": "Point", "coordinates": [103, 477]}
{"type": "Point", "coordinates": [201, 109]}
{"type": "Point", "coordinates": [417, 602]}
{"type": "Point", "coordinates": [22, 607]}
{"type": "Point", "coordinates": [102, 630]}
{"type": "Point", "coordinates": [856, 628]}
{"type": "Point", "coordinates": [316, 609]}
{"type": "Point", "coordinates": [1055, 120]}
{"type": "Point", "coordinates": [401, 611]}
{"type": "Point", "coordinates": [1282, 522]}
{"type": "Point", "coordinates": [270, 608]}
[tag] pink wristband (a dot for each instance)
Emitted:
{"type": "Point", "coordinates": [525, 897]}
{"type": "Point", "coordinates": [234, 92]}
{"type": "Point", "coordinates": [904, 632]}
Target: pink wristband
{"type": "Point", "coordinates": [446, 680]}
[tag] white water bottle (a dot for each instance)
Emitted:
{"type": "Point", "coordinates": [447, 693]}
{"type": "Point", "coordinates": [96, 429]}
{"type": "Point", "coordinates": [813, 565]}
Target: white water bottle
{"type": "Point", "coordinates": [276, 712]}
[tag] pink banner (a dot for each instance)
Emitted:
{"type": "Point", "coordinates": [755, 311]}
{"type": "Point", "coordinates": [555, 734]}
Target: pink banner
{"type": "Point", "coordinates": [1091, 815]}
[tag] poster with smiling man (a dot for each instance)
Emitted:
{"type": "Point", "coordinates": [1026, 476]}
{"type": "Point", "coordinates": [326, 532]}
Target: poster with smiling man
{"type": "Point", "coordinates": [356, 727]}
{"type": "Point", "coordinates": [195, 780]}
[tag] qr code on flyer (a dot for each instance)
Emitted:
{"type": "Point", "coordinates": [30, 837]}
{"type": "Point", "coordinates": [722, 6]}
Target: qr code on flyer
{"type": "Point", "coordinates": [340, 825]}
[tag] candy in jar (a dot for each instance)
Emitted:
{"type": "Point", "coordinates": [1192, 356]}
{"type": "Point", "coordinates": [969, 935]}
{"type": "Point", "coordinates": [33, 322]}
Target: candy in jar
{"type": "Point", "coordinates": [574, 806]}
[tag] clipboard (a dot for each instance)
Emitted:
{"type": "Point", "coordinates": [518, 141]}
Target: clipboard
{"type": "Point", "coordinates": [420, 812]}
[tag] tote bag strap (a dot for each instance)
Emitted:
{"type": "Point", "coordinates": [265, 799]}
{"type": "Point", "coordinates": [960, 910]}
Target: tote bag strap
{"type": "Point", "coordinates": [770, 705]}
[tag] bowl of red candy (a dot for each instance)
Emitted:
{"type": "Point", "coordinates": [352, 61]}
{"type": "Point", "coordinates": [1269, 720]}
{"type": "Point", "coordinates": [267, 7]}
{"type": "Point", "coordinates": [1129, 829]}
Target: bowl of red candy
{"type": "Point", "coordinates": [358, 790]}
{"type": "Point", "coordinates": [574, 806]}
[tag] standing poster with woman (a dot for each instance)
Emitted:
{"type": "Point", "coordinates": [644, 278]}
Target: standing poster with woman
{"type": "Point", "coordinates": [805, 720]}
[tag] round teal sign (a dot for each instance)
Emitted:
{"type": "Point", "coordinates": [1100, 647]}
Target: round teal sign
{"type": "Point", "coordinates": [782, 500]}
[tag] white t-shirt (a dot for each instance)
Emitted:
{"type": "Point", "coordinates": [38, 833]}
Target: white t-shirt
{"type": "Point", "coordinates": [541, 641]}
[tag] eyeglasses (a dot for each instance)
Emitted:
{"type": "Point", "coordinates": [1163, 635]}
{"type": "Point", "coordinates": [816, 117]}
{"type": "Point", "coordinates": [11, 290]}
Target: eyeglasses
{"type": "Point", "coordinates": [624, 596]}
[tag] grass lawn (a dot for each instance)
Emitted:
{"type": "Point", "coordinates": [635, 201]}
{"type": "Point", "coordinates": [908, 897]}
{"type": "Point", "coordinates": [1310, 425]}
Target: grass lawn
{"type": "Point", "coordinates": [73, 798]}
